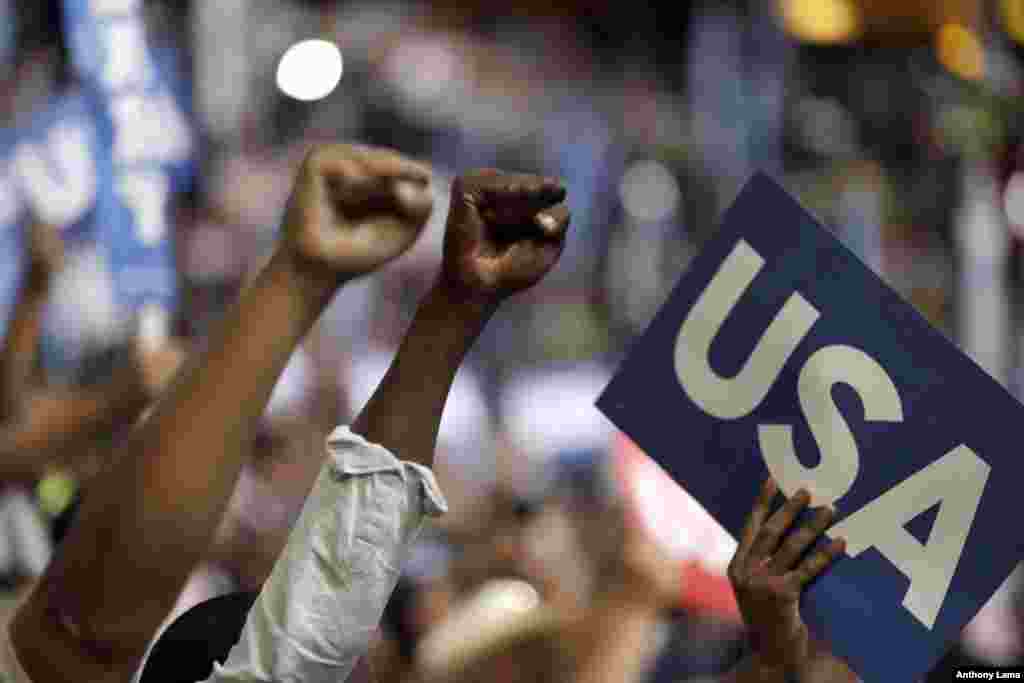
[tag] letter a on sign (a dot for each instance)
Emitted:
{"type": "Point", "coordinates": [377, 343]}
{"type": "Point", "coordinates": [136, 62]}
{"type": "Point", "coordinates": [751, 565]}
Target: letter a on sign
{"type": "Point", "coordinates": [778, 352]}
{"type": "Point", "coordinates": [955, 482]}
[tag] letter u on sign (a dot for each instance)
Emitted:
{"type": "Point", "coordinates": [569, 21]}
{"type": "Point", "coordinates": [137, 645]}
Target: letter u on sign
{"type": "Point", "coordinates": [730, 398]}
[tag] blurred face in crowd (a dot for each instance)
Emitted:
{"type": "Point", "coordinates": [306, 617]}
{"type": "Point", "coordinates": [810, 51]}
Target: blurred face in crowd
{"type": "Point", "coordinates": [553, 557]}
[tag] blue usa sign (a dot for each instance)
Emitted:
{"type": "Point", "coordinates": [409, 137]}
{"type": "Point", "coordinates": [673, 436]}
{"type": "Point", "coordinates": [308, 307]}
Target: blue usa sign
{"type": "Point", "coordinates": [780, 352]}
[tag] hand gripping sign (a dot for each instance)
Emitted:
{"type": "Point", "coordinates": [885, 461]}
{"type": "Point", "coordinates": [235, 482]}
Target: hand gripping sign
{"type": "Point", "coordinates": [779, 352]}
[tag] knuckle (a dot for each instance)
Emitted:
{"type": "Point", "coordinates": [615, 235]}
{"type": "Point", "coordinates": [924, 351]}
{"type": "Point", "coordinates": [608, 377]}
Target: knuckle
{"type": "Point", "coordinates": [313, 159]}
{"type": "Point", "coordinates": [803, 537]}
{"type": "Point", "coordinates": [790, 548]}
{"type": "Point", "coordinates": [322, 152]}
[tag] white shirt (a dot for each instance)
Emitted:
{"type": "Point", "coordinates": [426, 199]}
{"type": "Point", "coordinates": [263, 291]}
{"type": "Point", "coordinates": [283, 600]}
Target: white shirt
{"type": "Point", "coordinates": [315, 615]}
{"type": "Point", "coordinates": [318, 609]}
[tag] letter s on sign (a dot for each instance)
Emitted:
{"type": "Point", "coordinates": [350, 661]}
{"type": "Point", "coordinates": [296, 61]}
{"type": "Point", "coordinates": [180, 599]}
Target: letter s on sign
{"type": "Point", "coordinates": [840, 461]}
{"type": "Point", "coordinates": [735, 397]}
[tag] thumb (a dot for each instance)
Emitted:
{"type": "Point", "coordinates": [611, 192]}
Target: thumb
{"type": "Point", "coordinates": [414, 199]}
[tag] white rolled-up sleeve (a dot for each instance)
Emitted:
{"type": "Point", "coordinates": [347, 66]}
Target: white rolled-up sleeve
{"type": "Point", "coordinates": [318, 609]}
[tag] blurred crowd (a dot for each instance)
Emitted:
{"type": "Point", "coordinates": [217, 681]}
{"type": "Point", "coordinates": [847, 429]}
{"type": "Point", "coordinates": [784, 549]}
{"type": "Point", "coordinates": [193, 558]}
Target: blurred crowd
{"type": "Point", "coordinates": [654, 118]}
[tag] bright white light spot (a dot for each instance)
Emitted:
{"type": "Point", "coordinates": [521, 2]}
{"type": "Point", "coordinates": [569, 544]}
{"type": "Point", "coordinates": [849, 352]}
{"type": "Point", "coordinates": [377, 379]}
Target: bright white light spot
{"type": "Point", "coordinates": [309, 70]}
{"type": "Point", "coordinates": [1013, 202]}
{"type": "Point", "coordinates": [649, 191]}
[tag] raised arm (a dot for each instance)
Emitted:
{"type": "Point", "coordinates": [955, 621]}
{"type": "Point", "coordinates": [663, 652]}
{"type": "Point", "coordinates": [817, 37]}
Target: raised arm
{"type": "Point", "coordinates": [41, 427]}
{"type": "Point", "coordinates": [151, 515]}
{"type": "Point", "coordinates": [505, 231]}
{"type": "Point", "coordinates": [768, 573]}
{"type": "Point", "coordinates": [51, 424]}
{"type": "Point", "coordinates": [315, 614]}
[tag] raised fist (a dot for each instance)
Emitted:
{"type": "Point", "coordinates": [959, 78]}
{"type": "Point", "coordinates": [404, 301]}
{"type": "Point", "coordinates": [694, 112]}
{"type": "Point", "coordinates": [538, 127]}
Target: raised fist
{"type": "Point", "coordinates": [505, 232]}
{"type": "Point", "coordinates": [355, 208]}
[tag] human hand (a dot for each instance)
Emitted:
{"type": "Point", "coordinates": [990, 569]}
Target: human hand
{"type": "Point", "coordinates": [505, 232]}
{"type": "Point", "coordinates": [354, 208]}
{"type": "Point", "coordinates": [769, 571]}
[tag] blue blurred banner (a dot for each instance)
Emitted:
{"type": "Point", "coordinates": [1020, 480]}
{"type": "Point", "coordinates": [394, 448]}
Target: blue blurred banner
{"type": "Point", "coordinates": [149, 142]}
{"type": "Point", "coordinates": [59, 163]}
{"type": "Point", "coordinates": [780, 352]}
{"type": "Point", "coordinates": [50, 170]}
{"type": "Point", "coordinates": [11, 230]}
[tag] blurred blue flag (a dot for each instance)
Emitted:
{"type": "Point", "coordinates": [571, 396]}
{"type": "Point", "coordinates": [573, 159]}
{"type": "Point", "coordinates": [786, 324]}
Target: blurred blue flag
{"type": "Point", "coordinates": [50, 169]}
{"type": "Point", "coordinates": [148, 143]}
{"type": "Point", "coordinates": [780, 352]}
{"type": "Point", "coordinates": [59, 161]}
{"type": "Point", "coordinates": [11, 238]}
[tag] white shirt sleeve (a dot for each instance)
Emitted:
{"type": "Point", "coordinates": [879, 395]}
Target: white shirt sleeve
{"type": "Point", "coordinates": [318, 609]}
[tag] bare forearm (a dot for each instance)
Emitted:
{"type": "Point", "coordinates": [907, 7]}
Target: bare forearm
{"type": "Point", "coordinates": [154, 512]}
{"type": "Point", "coordinates": [404, 414]}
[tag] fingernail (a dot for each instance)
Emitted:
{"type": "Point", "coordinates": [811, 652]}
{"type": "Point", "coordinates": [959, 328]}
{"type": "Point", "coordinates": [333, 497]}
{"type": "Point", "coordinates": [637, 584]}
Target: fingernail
{"type": "Point", "coordinates": [547, 221]}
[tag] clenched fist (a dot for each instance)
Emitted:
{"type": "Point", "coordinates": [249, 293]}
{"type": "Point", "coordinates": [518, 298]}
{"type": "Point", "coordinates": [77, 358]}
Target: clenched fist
{"type": "Point", "coordinates": [505, 232]}
{"type": "Point", "coordinates": [355, 208]}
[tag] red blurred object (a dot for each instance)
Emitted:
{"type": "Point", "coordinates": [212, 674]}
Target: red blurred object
{"type": "Point", "coordinates": [707, 593]}
{"type": "Point", "coordinates": [685, 529]}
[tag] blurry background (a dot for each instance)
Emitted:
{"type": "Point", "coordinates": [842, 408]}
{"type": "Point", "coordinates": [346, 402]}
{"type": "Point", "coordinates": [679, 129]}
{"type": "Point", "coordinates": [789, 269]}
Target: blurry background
{"type": "Point", "coordinates": [897, 122]}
